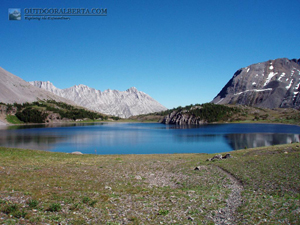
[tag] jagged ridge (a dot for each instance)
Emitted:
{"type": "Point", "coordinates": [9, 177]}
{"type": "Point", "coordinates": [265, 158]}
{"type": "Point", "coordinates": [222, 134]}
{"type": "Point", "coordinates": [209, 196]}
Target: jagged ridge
{"type": "Point", "coordinates": [112, 102]}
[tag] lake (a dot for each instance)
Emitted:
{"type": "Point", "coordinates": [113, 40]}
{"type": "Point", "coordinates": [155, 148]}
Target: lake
{"type": "Point", "coordinates": [147, 138]}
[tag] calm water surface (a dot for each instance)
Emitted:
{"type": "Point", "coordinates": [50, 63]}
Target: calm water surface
{"type": "Point", "coordinates": [147, 138]}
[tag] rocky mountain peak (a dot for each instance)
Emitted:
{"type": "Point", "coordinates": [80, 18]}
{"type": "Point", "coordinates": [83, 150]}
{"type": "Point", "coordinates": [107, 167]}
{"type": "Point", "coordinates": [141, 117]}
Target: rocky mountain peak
{"type": "Point", "coordinates": [270, 84]}
{"type": "Point", "coordinates": [132, 89]}
{"type": "Point", "coordinates": [112, 102]}
{"type": "Point", "coordinates": [81, 87]}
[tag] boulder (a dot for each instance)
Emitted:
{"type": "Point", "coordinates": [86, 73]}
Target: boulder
{"type": "Point", "coordinates": [77, 153]}
{"type": "Point", "coordinates": [200, 168]}
{"type": "Point", "coordinates": [217, 157]}
{"type": "Point", "coordinates": [227, 156]}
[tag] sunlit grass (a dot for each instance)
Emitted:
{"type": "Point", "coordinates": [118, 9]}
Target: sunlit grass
{"type": "Point", "coordinates": [271, 179]}
{"type": "Point", "coordinates": [43, 187]}
{"type": "Point", "coordinates": [13, 119]}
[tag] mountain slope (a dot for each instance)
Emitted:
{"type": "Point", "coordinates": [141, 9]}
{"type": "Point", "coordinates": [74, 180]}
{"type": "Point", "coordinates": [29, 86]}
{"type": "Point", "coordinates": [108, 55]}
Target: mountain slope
{"type": "Point", "coordinates": [14, 89]}
{"type": "Point", "coordinates": [118, 103]}
{"type": "Point", "coordinates": [271, 84]}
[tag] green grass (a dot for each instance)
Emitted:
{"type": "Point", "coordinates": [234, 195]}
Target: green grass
{"type": "Point", "coordinates": [43, 187]}
{"type": "Point", "coordinates": [271, 179]}
{"type": "Point", "coordinates": [13, 119]}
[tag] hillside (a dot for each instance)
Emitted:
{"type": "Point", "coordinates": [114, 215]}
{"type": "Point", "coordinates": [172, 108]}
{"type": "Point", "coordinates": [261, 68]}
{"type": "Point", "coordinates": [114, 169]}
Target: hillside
{"type": "Point", "coordinates": [48, 111]}
{"type": "Point", "coordinates": [14, 89]}
{"type": "Point", "coordinates": [112, 102]}
{"type": "Point", "coordinates": [271, 84]}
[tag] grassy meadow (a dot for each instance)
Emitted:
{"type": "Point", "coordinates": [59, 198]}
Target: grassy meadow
{"type": "Point", "coordinates": [39, 187]}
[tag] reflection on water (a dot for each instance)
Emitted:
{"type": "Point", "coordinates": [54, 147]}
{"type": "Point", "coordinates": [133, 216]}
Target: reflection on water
{"type": "Point", "coordinates": [239, 141]}
{"type": "Point", "coordinates": [198, 138]}
{"type": "Point", "coordinates": [39, 136]}
{"type": "Point", "coordinates": [137, 138]}
{"type": "Point", "coordinates": [19, 127]}
{"type": "Point", "coordinates": [22, 140]}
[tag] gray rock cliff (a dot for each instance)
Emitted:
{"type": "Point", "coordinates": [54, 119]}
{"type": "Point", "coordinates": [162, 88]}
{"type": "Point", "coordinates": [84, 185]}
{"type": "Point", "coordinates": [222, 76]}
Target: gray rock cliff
{"type": "Point", "coordinates": [182, 118]}
{"type": "Point", "coordinates": [270, 84]}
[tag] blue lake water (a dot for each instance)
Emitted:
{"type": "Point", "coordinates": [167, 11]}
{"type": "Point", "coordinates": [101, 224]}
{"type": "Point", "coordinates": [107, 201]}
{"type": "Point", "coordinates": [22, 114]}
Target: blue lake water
{"type": "Point", "coordinates": [147, 138]}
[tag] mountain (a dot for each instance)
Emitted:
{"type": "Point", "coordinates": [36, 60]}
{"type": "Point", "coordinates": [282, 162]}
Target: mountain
{"type": "Point", "coordinates": [112, 102]}
{"type": "Point", "coordinates": [270, 84]}
{"type": "Point", "coordinates": [14, 89]}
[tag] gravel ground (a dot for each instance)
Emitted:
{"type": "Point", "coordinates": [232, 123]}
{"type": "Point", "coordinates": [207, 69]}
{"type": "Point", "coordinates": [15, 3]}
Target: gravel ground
{"type": "Point", "coordinates": [226, 215]}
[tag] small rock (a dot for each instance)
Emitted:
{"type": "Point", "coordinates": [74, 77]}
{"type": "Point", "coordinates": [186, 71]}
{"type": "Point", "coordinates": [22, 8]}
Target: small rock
{"type": "Point", "coordinates": [227, 156]}
{"type": "Point", "coordinates": [296, 211]}
{"type": "Point", "coordinates": [190, 218]}
{"type": "Point", "coordinates": [138, 177]}
{"type": "Point", "coordinates": [77, 153]}
{"type": "Point", "coordinates": [217, 157]}
{"type": "Point", "coordinates": [285, 152]}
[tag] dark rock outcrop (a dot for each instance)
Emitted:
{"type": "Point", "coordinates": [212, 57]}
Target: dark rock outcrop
{"type": "Point", "coordinates": [271, 84]}
{"type": "Point", "coordinates": [219, 157]}
{"type": "Point", "coordinates": [182, 118]}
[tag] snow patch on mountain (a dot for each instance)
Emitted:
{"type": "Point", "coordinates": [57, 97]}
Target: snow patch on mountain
{"type": "Point", "coordinates": [271, 74]}
{"type": "Point", "coordinates": [256, 90]}
{"type": "Point", "coordinates": [290, 84]}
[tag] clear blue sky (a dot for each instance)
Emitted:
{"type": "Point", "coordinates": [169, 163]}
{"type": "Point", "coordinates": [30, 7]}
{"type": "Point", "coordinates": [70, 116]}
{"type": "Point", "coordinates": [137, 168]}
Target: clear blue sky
{"type": "Point", "coordinates": [180, 52]}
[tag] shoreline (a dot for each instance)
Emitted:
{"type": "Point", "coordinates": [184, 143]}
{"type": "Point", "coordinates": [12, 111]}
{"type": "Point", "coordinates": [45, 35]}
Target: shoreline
{"type": "Point", "coordinates": [153, 154]}
{"type": "Point", "coordinates": [135, 121]}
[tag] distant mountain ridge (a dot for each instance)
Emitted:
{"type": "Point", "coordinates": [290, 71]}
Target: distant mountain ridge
{"type": "Point", "coordinates": [13, 89]}
{"type": "Point", "coordinates": [112, 102]}
{"type": "Point", "coordinates": [270, 84]}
